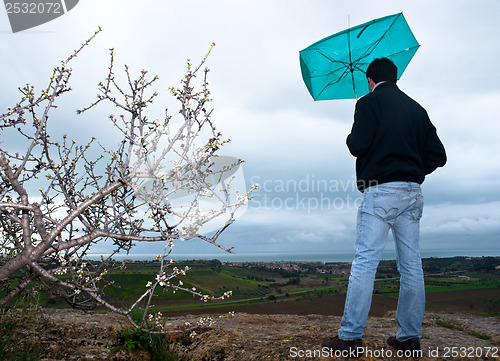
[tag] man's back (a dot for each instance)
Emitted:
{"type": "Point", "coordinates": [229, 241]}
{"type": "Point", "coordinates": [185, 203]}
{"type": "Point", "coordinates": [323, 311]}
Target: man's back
{"type": "Point", "coordinates": [393, 138]}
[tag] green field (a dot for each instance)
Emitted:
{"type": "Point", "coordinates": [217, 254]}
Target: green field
{"type": "Point", "coordinates": [261, 283]}
{"type": "Point", "coordinates": [443, 283]}
{"type": "Point", "coordinates": [129, 284]}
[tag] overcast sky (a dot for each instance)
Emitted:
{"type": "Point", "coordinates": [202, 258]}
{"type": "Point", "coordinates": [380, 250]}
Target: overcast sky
{"type": "Point", "coordinates": [294, 147]}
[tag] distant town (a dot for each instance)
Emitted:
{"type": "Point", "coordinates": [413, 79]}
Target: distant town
{"type": "Point", "coordinates": [293, 268]}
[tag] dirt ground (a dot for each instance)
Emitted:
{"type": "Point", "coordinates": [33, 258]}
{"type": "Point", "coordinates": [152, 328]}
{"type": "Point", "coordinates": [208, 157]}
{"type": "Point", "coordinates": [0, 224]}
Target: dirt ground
{"type": "Point", "coordinates": [74, 335]}
{"type": "Point", "coordinates": [286, 330]}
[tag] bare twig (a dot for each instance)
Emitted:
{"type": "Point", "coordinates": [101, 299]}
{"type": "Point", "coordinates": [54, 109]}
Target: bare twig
{"type": "Point", "coordinates": [57, 200]}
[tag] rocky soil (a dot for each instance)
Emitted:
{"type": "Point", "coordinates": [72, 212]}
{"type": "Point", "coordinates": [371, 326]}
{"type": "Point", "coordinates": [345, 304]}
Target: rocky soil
{"type": "Point", "coordinates": [75, 335]}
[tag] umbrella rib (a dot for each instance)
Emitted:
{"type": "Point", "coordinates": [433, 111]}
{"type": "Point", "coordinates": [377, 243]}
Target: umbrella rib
{"type": "Point", "coordinates": [346, 65]}
{"type": "Point", "coordinates": [348, 68]}
{"type": "Point", "coordinates": [333, 82]}
{"type": "Point", "coordinates": [385, 33]}
{"type": "Point", "coordinates": [371, 47]}
{"type": "Point", "coordinates": [403, 51]}
{"type": "Point", "coordinates": [330, 58]}
{"type": "Point", "coordinates": [387, 56]}
{"type": "Point", "coordinates": [374, 45]}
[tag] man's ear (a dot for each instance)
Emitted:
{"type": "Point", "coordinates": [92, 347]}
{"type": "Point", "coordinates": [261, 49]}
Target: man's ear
{"type": "Point", "coordinates": [371, 84]}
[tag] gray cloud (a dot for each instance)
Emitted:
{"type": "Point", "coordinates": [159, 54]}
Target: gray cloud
{"type": "Point", "coordinates": [263, 106]}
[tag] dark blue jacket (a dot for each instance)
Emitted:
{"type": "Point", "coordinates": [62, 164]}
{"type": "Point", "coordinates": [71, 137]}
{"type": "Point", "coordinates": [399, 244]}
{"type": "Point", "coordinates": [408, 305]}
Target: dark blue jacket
{"type": "Point", "coordinates": [393, 139]}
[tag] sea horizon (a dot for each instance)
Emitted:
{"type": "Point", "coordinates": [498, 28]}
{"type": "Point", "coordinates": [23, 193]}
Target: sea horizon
{"type": "Point", "coordinates": [341, 256]}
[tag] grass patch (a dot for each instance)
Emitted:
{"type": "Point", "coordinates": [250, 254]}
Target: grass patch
{"type": "Point", "coordinates": [160, 347]}
{"type": "Point", "coordinates": [448, 325]}
{"type": "Point", "coordinates": [457, 287]}
{"type": "Point", "coordinates": [479, 335]}
{"type": "Point", "coordinates": [452, 326]}
{"type": "Point", "coordinates": [14, 344]}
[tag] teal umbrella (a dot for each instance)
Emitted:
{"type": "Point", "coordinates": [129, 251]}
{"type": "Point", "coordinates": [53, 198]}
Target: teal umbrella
{"type": "Point", "coordinates": [334, 67]}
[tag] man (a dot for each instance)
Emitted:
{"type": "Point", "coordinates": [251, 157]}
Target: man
{"type": "Point", "coordinates": [396, 146]}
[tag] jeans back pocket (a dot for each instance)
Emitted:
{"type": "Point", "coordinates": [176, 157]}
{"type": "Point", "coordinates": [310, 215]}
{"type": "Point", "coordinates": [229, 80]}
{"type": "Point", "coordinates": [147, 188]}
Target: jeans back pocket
{"type": "Point", "coordinates": [386, 206]}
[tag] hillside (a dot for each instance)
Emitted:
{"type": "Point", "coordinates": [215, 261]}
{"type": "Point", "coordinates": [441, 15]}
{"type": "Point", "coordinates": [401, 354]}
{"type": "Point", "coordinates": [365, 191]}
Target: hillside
{"type": "Point", "coordinates": [283, 310]}
{"type": "Point", "coordinates": [73, 335]}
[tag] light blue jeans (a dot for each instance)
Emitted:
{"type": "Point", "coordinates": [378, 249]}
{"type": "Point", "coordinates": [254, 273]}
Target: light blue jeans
{"type": "Point", "coordinates": [397, 206]}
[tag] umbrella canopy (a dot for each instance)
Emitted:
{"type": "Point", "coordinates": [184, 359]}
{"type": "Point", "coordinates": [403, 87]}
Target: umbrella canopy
{"type": "Point", "coordinates": [335, 67]}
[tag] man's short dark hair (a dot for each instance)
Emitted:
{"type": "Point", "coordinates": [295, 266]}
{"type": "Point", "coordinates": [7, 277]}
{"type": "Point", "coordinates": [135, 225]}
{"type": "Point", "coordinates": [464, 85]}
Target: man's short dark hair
{"type": "Point", "coordinates": [382, 69]}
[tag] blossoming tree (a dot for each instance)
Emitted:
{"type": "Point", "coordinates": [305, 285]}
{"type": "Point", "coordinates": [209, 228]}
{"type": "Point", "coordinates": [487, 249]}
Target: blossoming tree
{"type": "Point", "coordinates": [57, 200]}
